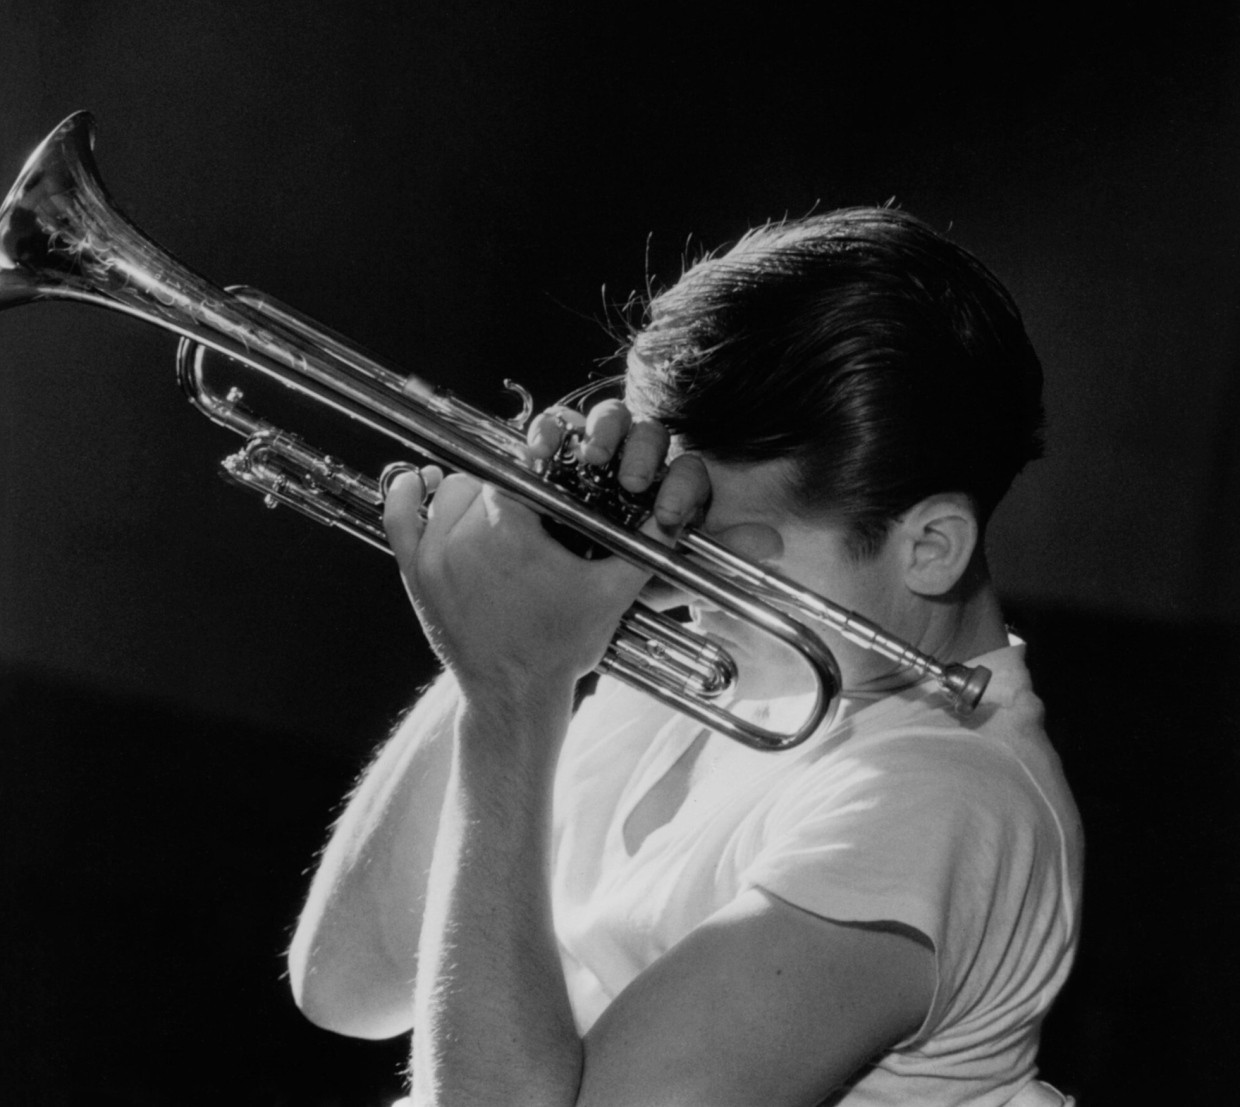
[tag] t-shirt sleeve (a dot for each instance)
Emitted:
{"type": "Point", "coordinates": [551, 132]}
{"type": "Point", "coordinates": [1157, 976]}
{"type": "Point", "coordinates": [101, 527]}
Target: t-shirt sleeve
{"type": "Point", "coordinates": [944, 834]}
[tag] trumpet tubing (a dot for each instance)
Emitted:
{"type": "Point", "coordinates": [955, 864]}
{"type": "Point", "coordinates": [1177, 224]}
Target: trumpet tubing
{"type": "Point", "coordinates": [61, 237]}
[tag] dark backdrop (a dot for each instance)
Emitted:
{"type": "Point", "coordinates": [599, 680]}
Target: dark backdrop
{"type": "Point", "coordinates": [189, 683]}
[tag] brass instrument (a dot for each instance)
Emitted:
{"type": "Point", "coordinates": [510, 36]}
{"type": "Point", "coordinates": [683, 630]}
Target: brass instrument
{"type": "Point", "coordinates": [61, 237]}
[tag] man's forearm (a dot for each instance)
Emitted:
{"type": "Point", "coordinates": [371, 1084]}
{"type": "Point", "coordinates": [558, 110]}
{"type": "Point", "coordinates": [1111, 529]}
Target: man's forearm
{"type": "Point", "coordinates": [493, 1021]}
{"type": "Point", "coordinates": [353, 958]}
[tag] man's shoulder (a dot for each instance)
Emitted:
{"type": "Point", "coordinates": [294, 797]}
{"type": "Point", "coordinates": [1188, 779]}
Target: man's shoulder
{"type": "Point", "coordinates": [914, 744]}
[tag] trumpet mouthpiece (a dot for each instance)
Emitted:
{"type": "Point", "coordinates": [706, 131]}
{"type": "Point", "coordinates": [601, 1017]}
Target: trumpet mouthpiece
{"type": "Point", "coordinates": [967, 685]}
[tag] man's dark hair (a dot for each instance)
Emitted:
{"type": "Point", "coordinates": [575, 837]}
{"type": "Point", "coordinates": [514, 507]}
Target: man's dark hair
{"type": "Point", "coordinates": [887, 362]}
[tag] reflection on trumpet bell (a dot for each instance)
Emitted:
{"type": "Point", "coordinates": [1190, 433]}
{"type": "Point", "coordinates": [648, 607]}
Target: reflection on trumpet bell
{"type": "Point", "coordinates": [62, 238]}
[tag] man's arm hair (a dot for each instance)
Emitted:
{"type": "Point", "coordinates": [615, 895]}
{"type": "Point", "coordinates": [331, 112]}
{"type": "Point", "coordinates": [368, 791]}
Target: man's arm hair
{"type": "Point", "coordinates": [353, 958]}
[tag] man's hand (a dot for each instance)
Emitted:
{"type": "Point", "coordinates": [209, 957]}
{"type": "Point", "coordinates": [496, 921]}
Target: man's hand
{"type": "Point", "coordinates": [506, 606]}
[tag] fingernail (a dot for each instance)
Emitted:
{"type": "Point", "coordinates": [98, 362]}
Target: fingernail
{"type": "Point", "coordinates": [541, 441]}
{"type": "Point", "coordinates": [669, 515]}
{"type": "Point", "coordinates": [636, 480]}
{"type": "Point", "coordinates": [593, 454]}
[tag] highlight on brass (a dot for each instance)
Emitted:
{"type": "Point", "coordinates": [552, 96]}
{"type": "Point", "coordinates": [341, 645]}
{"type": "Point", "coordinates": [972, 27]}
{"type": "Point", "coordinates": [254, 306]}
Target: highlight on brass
{"type": "Point", "coordinates": [61, 237]}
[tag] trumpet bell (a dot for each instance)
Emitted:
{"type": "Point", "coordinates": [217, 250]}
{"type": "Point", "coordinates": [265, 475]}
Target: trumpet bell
{"type": "Point", "coordinates": [61, 236]}
{"type": "Point", "coordinates": [32, 243]}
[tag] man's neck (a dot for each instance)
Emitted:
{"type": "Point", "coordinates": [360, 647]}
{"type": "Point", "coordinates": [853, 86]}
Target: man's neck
{"type": "Point", "coordinates": [967, 629]}
{"type": "Point", "coordinates": [949, 630]}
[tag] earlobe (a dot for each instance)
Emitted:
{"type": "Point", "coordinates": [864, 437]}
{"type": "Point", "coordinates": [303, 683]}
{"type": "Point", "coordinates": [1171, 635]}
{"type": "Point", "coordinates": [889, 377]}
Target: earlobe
{"type": "Point", "coordinates": [942, 534]}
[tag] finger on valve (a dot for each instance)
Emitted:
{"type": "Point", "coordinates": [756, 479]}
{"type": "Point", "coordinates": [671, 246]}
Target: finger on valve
{"type": "Point", "coordinates": [407, 491]}
{"type": "Point", "coordinates": [643, 459]}
{"type": "Point", "coordinates": [607, 425]}
{"type": "Point", "coordinates": [549, 429]}
{"type": "Point", "coordinates": [684, 494]}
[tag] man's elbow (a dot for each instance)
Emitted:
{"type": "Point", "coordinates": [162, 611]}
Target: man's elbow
{"type": "Point", "coordinates": [346, 1001]}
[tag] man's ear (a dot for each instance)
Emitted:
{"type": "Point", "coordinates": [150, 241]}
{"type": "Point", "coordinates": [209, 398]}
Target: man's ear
{"type": "Point", "coordinates": [940, 536]}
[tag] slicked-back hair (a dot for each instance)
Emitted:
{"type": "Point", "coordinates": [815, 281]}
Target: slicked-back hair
{"type": "Point", "coordinates": [886, 362]}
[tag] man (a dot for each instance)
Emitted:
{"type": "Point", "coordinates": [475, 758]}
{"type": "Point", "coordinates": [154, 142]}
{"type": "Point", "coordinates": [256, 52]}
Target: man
{"type": "Point", "coordinates": [623, 909]}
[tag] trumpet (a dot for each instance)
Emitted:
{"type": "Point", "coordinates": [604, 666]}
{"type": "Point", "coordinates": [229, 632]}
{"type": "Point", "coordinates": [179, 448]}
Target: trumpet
{"type": "Point", "coordinates": [62, 238]}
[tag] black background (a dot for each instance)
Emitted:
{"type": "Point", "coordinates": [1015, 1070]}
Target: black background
{"type": "Point", "coordinates": [188, 683]}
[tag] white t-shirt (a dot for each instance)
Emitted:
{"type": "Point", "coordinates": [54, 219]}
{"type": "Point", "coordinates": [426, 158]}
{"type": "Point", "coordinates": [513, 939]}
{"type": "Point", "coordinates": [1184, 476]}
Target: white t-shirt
{"type": "Point", "coordinates": [963, 829]}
